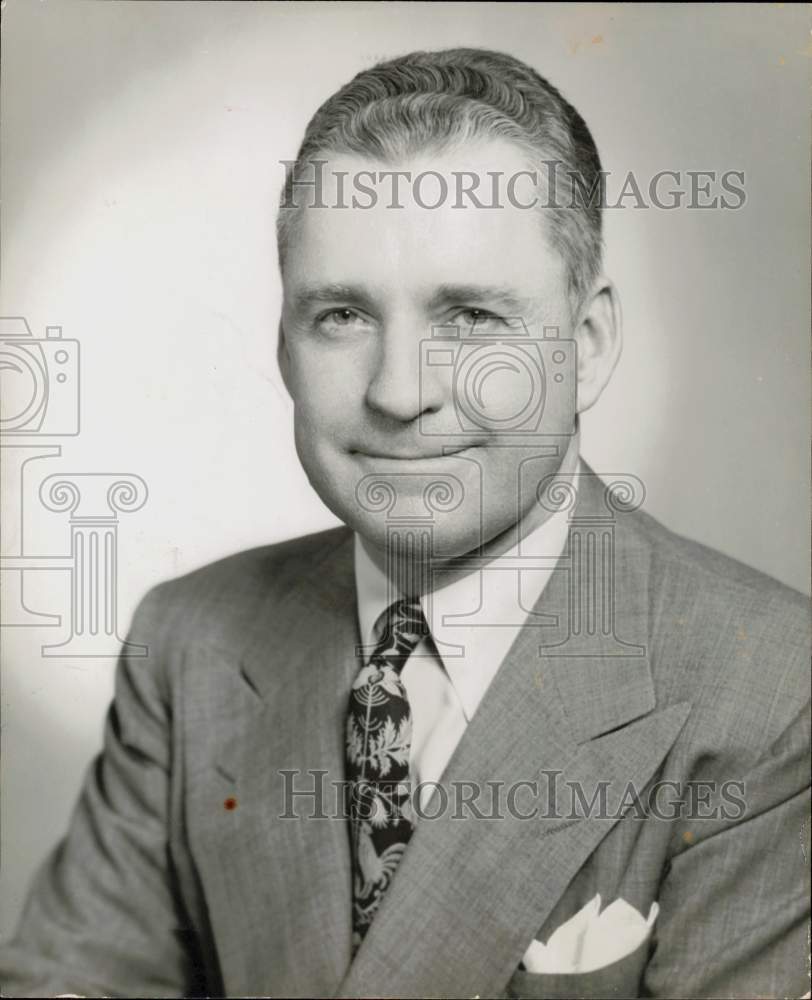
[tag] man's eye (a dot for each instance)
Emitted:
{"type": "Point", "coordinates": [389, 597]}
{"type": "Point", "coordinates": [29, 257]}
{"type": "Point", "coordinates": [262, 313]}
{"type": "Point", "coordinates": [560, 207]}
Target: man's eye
{"type": "Point", "coordinates": [475, 317]}
{"type": "Point", "coordinates": [341, 319]}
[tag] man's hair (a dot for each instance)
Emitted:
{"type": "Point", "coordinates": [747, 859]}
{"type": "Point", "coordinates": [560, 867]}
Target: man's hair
{"type": "Point", "coordinates": [433, 100]}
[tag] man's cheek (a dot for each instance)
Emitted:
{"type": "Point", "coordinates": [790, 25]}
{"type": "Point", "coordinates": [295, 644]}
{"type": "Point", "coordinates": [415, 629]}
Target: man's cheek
{"type": "Point", "coordinates": [310, 425]}
{"type": "Point", "coordinates": [318, 422]}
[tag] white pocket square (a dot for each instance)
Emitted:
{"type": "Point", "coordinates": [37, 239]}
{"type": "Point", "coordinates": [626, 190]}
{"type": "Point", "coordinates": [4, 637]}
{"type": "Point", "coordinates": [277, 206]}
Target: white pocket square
{"type": "Point", "coordinates": [591, 940]}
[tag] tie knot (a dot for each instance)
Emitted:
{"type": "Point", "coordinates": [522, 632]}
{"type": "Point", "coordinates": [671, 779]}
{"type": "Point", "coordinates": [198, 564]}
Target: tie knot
{"type": "Point", "coordinates": [400, 627]}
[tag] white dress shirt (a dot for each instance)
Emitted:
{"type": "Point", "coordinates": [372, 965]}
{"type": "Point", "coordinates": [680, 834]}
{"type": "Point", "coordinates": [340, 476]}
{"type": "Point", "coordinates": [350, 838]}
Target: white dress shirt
{"type": "Point", "coordinates": [444, 691]}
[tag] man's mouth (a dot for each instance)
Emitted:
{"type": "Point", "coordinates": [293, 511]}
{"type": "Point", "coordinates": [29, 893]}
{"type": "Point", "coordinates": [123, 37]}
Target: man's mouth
{"type": "Point", "coordinates": [412, 455]}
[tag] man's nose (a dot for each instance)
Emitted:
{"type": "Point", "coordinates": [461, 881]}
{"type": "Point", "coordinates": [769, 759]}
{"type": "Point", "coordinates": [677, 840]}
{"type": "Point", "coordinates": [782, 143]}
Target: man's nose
{"type": "Point", "coordinates": [402, 386]}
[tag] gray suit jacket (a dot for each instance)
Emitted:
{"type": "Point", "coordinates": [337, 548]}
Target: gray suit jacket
{"type": "Point", "coordinates": [179, 877]}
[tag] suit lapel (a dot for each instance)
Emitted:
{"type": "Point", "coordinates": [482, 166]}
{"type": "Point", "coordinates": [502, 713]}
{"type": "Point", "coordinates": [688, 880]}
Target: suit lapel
{"type": "Point", "coordinates": [285, 882]}
{"type": "Point", "coordinates": [470, 894]}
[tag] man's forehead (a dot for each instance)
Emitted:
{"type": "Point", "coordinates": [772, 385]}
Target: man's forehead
{"type": "Point", "coordinates": [502, 247]}
{"type": "Point", "coordinates": [510, 279]}
{"type": "Point", "coordinates": [406, 241]}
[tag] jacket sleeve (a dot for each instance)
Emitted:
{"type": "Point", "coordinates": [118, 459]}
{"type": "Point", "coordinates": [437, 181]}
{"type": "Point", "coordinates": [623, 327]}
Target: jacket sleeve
{"type": "Point", "coordinates": [734, 903]}
{"type": "Point", "coordinates": [103, 917]}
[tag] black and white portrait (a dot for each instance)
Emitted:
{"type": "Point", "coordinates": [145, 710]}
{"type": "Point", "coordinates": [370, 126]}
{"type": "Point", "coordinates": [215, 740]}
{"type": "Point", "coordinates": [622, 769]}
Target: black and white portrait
{"type": "Point", "coordinates": [405, 499]}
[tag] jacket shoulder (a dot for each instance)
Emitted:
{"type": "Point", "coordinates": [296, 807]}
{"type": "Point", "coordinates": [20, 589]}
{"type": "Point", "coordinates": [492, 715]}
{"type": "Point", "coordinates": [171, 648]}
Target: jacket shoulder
{"type": "Point", "coordinates": [683, 567]}
{"type": "Point", "coordinates": [226, 595]}
{"type": "Point", "coordinates": [730, 639]}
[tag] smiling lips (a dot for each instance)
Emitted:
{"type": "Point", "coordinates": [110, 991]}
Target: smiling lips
{"type": "Point", "coordinates": [411, 456]}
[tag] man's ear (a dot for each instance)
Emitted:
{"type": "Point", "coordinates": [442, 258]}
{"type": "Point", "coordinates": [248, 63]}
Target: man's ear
{"type": "Point", "coordinates": [283, 358]}
{"type": "Point", "coordinates": [599, 336]}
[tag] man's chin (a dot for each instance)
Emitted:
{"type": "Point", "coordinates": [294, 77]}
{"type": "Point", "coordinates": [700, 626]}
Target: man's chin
{"type": "Point", "coordinates": [438, 541]}
{"type": "Point", "coordinates": [431, 512]}
{"type": "Point", "coordinates": [432, 508]}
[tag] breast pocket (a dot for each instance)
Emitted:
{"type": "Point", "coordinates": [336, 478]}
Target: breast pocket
{"type": "Point", "coordinates": [621, 979]}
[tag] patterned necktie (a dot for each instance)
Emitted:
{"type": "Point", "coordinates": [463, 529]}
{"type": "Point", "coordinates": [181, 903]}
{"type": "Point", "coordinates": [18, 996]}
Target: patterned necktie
{"type": "Point", "coordinates": [379, 738]}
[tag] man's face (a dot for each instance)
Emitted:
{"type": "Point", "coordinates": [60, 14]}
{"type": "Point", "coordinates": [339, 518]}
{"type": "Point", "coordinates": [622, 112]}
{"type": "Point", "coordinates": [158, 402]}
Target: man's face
{"type": "Point", "coordinates": [384, 409]}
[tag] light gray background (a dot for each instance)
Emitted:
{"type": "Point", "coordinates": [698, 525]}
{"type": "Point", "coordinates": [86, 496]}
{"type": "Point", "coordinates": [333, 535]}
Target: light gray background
{"type": "Point", "coordinates": [140, 170]}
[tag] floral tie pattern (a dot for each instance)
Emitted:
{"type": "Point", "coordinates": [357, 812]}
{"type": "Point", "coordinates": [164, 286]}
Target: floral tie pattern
{"type": "Point", "coordinates": [379, 739]}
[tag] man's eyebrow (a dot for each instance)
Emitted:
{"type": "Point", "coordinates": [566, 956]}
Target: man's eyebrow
{"type": "Point", "coordinates": [494, 295]}
{"type": "Point", "coordinates": [314, 294]}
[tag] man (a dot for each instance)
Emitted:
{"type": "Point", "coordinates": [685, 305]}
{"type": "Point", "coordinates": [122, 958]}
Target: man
{"type": "Point", "coordinates": [503, 734]}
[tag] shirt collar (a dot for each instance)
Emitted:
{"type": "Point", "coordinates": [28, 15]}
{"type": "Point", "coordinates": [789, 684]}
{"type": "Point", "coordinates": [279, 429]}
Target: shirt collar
{"type": "Point", "coordinates": [475, 619]}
